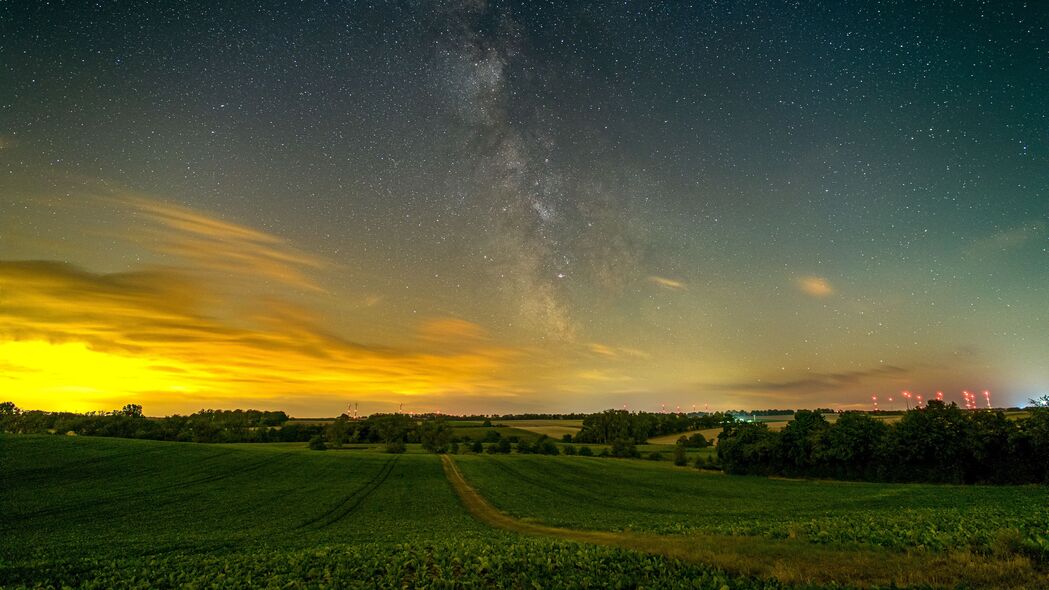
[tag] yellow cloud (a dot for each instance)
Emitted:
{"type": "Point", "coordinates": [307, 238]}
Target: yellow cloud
{"type": "Point", "coordinates": [70, 339]}
{"type": "Point", "coordinates": [617, 352]}
{"type": "Point", "coordinates": [667, 283]}
{"type": "Point", "coordinates": [815, 286]}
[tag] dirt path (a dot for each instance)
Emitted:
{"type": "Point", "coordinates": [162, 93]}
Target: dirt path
{"type": "Point", "coordinates": [789, 560]}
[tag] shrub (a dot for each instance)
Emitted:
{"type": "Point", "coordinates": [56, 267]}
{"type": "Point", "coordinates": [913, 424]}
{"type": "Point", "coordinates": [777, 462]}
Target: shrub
{"type": "Point", "coordinates": [680, 459]}
{"type": "Point", "coordinates": [477, 447]}
{"type": "Point", "coordinates": [624, 448]}
{"type": "Point", "coordinates": [568, 449]}
{"type": "Point", "coordinates": [586, 452]}
{"type": "Point", "coordinates": [655, 456]}
{"type": "Point", "coordinates": [317, 443]}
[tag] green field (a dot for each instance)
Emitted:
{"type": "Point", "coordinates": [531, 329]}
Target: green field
{"type": "Point", "coordinates": [553, 428]}
{"type": "Point", "coordinates": [101, 513]}
{"type": "Point", "coordinates": [588, 493]}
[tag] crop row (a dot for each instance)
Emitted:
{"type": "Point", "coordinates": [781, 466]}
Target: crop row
{"type": "Point", "coordinates": [453, 564]}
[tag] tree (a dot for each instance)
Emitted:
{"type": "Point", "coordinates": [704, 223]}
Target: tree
{"type": "Point", "coordinates": [853, 446]}
{"type": "Point", "coordinates": [317, 443]}
{"type": "Point", "coordinates": [9, 414]}
{"type": "Point", "coordinates": [338, 432]}
{"type": "Point", "coordinates": [134, 410]}
{"type": "Point", "coordinates": [391, 427]}
{"type": "Point", "coordinates": [748, 448]}
{"type": "Point", "coordinates": [435, 435]}
{"type": "Point", "coordinates": [800, 441]}
{"type": "Point", "coordinates": [477, 447]}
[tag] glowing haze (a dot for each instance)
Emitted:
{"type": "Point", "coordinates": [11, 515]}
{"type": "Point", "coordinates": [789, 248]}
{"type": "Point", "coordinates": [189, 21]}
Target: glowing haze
{"type": "Point", "coordinates": [518, 207]}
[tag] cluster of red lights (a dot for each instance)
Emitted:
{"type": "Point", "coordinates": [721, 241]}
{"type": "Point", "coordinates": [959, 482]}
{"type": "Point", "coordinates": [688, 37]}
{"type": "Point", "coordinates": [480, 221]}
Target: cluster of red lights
{"type": "Point", "coordinates": [968, 398]}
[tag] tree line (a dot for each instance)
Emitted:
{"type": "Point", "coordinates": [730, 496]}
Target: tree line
{"type": "Point", "coordinates": [637, 427]}
{"type": "Point", "coordinates": [938, 443]}
{"type": "Point", "coordinates": [205, 426]}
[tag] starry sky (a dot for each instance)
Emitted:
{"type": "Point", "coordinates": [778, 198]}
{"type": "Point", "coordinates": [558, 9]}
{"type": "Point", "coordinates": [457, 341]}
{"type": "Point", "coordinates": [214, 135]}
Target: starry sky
{"type": "Point", "coordinates": [522, 206]}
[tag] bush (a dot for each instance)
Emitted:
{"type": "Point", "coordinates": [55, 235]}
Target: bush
{"type": "Point", "coordinates": [566, 438]}
{"type": "Point", "coordinates": [655, 456]}
{"type": "Point", "coordinates": [624, 448]}
{"type": "Point", "coordinates": [454, 448]}
{"type": "Point", "coordinates": [680, 458]}
{"type": "Point", "coordinates": [395, 447]}
{"type": "Point", "coordinates": [317, 443]}
{"type": "Point", "coordinates": [586, 452]}
{"type": "Point", "coordinates": [708, 464]}
{"type": "Point", "coordinates": [477, 447]}
{"type": "Point", "coordinates": [568, 449]}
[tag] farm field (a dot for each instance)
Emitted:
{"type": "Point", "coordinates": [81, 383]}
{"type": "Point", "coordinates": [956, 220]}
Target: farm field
{"type": "Point", "coordinates": [102, 513]}
{"type": "Point", "coordinates": [596, 494]}
{"type": "Point", "coordinates": [106, 513]}
{"type": "Point", "coordinates": [553, 428]}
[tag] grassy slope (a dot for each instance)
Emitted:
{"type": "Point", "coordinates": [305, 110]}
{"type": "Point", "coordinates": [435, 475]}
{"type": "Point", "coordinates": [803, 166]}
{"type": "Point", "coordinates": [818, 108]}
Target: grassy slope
{"type": "Point", "coordinates": [110, 513]}
{"type": "Point", "coordinates": [91, 496]}
{"type": "Point", "coordinates": [104, 513]}
{"type": "Point", "coordinates": [609, 494]}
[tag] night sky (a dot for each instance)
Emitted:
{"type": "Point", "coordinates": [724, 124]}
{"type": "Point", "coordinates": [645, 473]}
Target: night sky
{"type": "Point", "coordinates": [522, 206]}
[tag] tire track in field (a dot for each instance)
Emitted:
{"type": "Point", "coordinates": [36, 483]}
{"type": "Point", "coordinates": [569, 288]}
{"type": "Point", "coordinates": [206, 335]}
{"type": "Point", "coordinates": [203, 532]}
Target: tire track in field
{"type": "Point", "coordinates": [790, 561]}
{"type": "Point", "coordinates": [349, 504]}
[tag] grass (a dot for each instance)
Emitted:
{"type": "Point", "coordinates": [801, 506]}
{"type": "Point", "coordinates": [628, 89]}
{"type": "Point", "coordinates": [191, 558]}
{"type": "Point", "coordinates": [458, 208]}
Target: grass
{"type": "Point", "coordinates": [104, 513]}
{"type": "Point", "coordinates": [792, 561]}
{"type": "Point", "coordinates": [479, 432]}
{"type": "Point", "coordinates": [555, 429]}
{"type": "Point", "coordinates": [88, 512]}
{"type": "Point", "coordinates": [655, 497]}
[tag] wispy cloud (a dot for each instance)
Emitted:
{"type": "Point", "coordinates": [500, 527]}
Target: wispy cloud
{"type": "Point", "coordinates": [208, 243]}
{"type": "Point", "coordinates": [817, 382]}
{"type": "Point", "coordinates": [616, 352]}
{"type": "Point", "coordinates": [815, 286]}
{"type": "Point", "coordinates": [666, 283]}
{"type": "Point", "coordinates": [1011, 238]}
